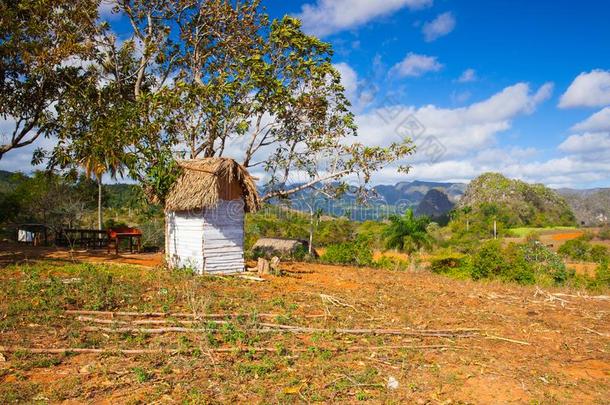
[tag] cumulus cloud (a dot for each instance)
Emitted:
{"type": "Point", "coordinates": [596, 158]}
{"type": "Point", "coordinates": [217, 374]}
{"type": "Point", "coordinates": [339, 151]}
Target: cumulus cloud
{"type": "Point", "coordinates": [327, 17]}
{"type": "Point", "coordinates": [587, 144]}
{"type": "Point", "coordinates": [469, 75]}
{"type": "Point", "coordinates": [416, 65]}
{"type": "Point", "coordinates": [590, 89]}
{"type": "Point", "coordinates": [442, 25]}
{"type": "Point", "coordinates": [600, 121]}
{"type": "Point", "coordinates": [461, 131]}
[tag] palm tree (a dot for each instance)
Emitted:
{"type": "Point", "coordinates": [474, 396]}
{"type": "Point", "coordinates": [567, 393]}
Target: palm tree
{"type": "Point", "coordinates": [97, 160]}
{"type": "Point", "coordinates": [407, 232]}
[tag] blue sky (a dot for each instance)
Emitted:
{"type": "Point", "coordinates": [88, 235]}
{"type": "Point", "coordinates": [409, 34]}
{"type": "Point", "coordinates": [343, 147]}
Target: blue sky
{"type": "Point", "coordinates": [519, 87]}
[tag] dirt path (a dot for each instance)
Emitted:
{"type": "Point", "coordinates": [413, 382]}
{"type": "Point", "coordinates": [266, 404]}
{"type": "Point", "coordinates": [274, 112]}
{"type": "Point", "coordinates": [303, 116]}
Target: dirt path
{"type": "Point", "coordinates": [11, 253]}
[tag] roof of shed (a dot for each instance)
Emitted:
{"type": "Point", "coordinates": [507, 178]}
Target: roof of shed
{"type": "Point", "coordinates": [204, 182]}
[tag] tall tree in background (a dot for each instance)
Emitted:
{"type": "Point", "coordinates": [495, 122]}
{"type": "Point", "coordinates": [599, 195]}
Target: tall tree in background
{"type": "Point", "coordinates": [39, 40]}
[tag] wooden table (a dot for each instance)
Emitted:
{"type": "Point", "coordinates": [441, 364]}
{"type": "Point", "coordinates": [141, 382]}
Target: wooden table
{"type": "Point", "coordinates": [116, 235]}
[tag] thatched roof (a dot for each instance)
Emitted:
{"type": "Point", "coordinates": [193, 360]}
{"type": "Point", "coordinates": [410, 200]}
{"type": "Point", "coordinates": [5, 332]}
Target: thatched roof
{"type": "Point", "coordinates": [280, 247]}
{"type": "Point", "coordinates": [204, 182]}
{"type": "Point", "coordinates": [283, 245]}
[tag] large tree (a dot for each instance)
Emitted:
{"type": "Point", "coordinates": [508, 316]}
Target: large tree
{"type": "Point", "coordinates": [218, 78]}
{"type": "Point", "coordinates": [39, 40]}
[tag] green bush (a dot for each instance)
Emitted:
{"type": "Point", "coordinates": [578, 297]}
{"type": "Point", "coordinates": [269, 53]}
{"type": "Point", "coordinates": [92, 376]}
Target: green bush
{"type": "Point", "coordinates": [545, 262]}
{"type": "Point", "coordinates": [576, 249]}
{"type": "Point", "coordinates": [357, 253]}
{"type": "Point", "coordinates": [489, 261]}
{"type": "Point", "coordinates": [580, 249]}
{"type": "Point", "coordinates": [602, 275]}
{"type": "Point", "coordinates": [598, 254]}
{"type": "Point", "coordinates": [604, 233]}
{"type": "Point", "coordinates": [448, 262]}
{"type": "Point", "coordinates": [391, 263]}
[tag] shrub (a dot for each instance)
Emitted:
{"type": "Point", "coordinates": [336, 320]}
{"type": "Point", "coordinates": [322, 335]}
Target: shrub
{"type": "Point", "coordinates": [598, 254]}
{"type": "Point", "coordinates": [602, 275]}
{"type": "Point", "coordinates": [357, 253]}
{"type": "Point", "coordinates": [489, 261]}
{"type": "Point", "coordinates": [545, 262]}
{"type": "Point", "coordinates": [576, 249]}
{"type": "Point", "coordinates": [391, 263]}
{"type": "Point", "coordinates": [447, 262]}
{"type": "Point", "coordinates": [604, 233]}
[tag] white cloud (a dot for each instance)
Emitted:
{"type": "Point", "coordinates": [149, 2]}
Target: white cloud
{"type": "Point", "coordinates": [469, 75]}
{"type": "Point", "coordinates": [442, 25]}
{"type": "Point", "coordinates": [356, 90]}
{"type": "Point", "coordinates": [462, 131]}
{"type": "Point", "coordinates": [600, 121]}
{"type": "Point", "coordinates": [327, 17]}
{"type": "Point", "coordinates": [591, 144]}
{"type": "Point", "coordinates": [588, 90]}
{"type": "Point", "coordinates": [349, 79]}
{"type": "Point", "coordinates": [416, 65]}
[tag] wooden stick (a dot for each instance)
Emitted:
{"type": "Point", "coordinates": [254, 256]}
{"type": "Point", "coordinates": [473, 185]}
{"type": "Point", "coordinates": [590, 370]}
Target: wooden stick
{"type": "Point", "coordinates": [36, 350]}
{"type": "Point", "coordinates": [519, 342]}
{"type": "Point", "coordinates": [145, 321]}
{"type": "Point", "coordinates": [166, 314]}
{"type": "Point", "coordinates": [273, 328]}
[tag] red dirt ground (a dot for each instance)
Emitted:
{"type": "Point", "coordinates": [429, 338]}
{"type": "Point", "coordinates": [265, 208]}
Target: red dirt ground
{"type": "Point", "coordinates": [563, 355]}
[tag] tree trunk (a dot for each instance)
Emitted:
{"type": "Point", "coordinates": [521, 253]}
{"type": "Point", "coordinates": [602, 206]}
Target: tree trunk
{"type": "Point", "coordinates": [310, 249]}
{"type": "Point", "coordinates": [99, 203]}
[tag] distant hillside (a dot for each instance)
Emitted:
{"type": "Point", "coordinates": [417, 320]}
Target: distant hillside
{"type": "Point", "coordinates": [414, 192]}
{"type": "Point", "coordinates": [591, 207]}
{"type": "Point", "coordinates": [515, 202]}
{"type": "Point", "coordinates": [435, 204]}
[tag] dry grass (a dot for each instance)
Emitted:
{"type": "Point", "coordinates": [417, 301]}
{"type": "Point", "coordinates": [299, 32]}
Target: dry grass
{"type": "Point", "coordinates": [565, 360]}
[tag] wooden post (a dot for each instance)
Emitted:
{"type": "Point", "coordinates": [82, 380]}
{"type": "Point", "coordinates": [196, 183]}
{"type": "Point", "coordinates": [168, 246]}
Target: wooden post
{"type": "Point", "coordinates": [495, 230]}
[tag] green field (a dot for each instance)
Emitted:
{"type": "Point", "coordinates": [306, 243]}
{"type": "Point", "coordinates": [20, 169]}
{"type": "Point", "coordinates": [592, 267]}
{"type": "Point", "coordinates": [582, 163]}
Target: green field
{"type": "Point", "coordinates": [525, 231]}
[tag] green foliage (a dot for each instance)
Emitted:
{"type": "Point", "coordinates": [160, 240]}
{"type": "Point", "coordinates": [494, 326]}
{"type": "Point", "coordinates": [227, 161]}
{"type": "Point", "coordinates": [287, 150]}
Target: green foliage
{"type": "Point", "coordinates": [48, 198]}
{"type": "Point", "coordinates": [407, 232]}
{"type": "Point", "coordinates": [274, 222]}
{"type": "Point", "coordinates": [38, 37]}
{"type": "Point", "coordinates": [527, 263]}
{"type": "Point", "coordinates": [449, 262]}
{"type": "Point", "coordinates": [358, 253]}
{"type": "Point", "coordinates": [580, 249]}
{"type": "Point", "coordinates": [604, 233]}
{"type": "Point", "coordinates": [391, 263]}
{"type": "Point", "coordinates": [602, 275]}
{"type": "Point", "coordinates": [489, 261]}
{"type": "Point", "coordinates": [373, 231]}
{"type": "Point", "coordinates": [141, 375]}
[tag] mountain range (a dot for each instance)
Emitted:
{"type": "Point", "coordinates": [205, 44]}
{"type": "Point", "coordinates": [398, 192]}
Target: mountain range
{"type": "Point", "coordinates": [591, 206]}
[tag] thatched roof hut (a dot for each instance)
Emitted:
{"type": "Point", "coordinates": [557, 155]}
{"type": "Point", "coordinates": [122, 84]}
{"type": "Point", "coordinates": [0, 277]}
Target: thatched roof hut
{"type": "Point", "coordinates": [205, 215]}
{"type": "Point", "coordinates": [204, 182]}
{"type": "Point", "coordinates": [287, 248]}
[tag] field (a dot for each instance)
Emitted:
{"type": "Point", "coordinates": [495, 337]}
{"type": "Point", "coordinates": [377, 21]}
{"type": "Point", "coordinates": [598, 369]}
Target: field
{"type": "Point", "coordinates": [525, 231]}
{"type": "Point", "coordinates": [356, 334]}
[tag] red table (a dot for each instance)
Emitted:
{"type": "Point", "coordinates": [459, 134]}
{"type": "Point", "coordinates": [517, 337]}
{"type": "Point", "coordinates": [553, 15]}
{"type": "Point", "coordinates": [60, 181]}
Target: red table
{"type": "Point", "coordinates": [115, 235]}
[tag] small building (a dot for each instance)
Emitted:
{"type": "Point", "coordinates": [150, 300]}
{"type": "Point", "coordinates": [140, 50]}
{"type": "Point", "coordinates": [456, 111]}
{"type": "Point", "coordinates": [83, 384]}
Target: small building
{"type": "Point", "coordinates": [204, 213]}
{"type": "Point", "coordinates": [285, 248]}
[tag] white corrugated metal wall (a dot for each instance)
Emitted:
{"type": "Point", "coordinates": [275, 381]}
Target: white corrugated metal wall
{"type": "Point", "coordinates": [223, 237]}
{"type": "Point", "coordinates": [212, 241]}
{"type": "Point", "coordinates": [185, 233]}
